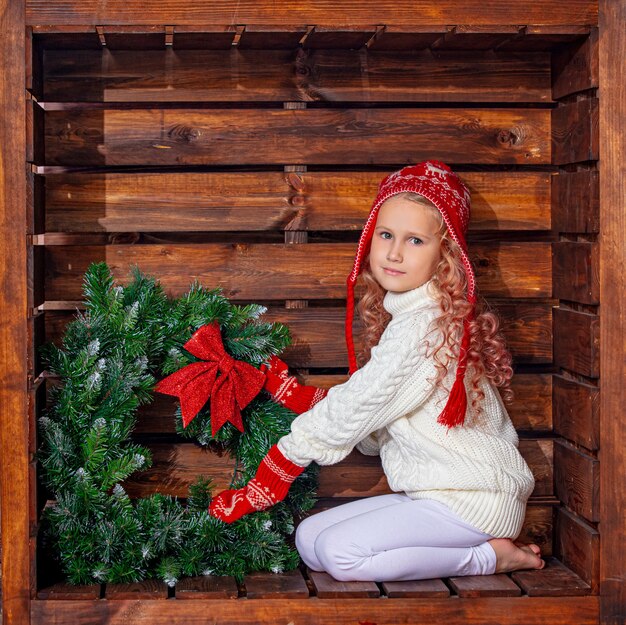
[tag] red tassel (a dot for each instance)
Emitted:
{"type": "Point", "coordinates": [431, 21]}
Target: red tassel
{"type": "Point", "coordinates": [454, 412]}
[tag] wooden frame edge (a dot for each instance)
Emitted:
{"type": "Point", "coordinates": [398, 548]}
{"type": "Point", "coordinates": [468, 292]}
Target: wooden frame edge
{"type": "Point", "coordinates": [612, 453]}
{"type": "Point", "coordinates": [14, 452]}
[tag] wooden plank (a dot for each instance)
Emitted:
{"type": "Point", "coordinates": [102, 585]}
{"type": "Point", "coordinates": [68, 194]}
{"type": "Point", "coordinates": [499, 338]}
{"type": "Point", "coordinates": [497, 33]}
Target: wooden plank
{"type": "Point", "coordinates": [576, 406]}
{"type": "Point", "coordinates": [472, 37]}
{"type": "Point", "coordinates": [354, 37]}
{"type": "Point", "coordinates": [576, 201]}
{"type": "Point", "coordinates": [397, 37]}
{"type": "Point", "coordinates": [144, 591]}
{"type": "Point", "coordinates": [281, 271]}
{"type": "Point", "coordinates": [264, 585]}
{"type": "Point", "coordinates": [166, 202]}
{"type": "Point", "coordinates": [577, 480]}
{"type": "Point", "coordinates": [576, 270]}
{"type": "Point", "coordinates": [475, 611]}
{"type": "Point", "coordinates": [417, 12]}
{"type": "Point", "coordinates": [576, 341]}
{"type": "Point", "coordinates": [485, 586]}
{"type": "Point", "coordinates": [206, 587]}
{"type": "Point", "coordinates": [261, 37]}
{"type": "Point", "coordinates": [577, 545]}
{"type": "Point", "coordinates": [423, 589]}
{"type": "Point", "coordinates": [326, 587]}
{"type": "Point", "coordinates": [67, 592]}
{"type": "Point", "coordinates": [177, 465]}
{"type": "Point", "coordinates": [199, 37]}
{"type": "Point", "coordinates": [16, 491]}
{"type": "Point", "coordinates": [575, 132]}
{"type": "Point", "coordinates": [575, 67]}
{"type": "Point", "coordinates": [531, 409]}
{"type": "Point", "coordinates": [612, 311]}
{"type": "Point", "coordinates": [308, 136]}
{"type": "Point", "coordinates": [293, 75]}
{"type": "Point", "coordinates": [318, 336]}
{"type": "Point", "coordinates": [554, 580]}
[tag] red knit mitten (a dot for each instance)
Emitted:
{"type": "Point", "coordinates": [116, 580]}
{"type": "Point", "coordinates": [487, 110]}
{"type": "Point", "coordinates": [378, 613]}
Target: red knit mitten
{"type": "Point", "coordinates": [286, 390]}
{"type": "Point", "coordinates": [269, 486]}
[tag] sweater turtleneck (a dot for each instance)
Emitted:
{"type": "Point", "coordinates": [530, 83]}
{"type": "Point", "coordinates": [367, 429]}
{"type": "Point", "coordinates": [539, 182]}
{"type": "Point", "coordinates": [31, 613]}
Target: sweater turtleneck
{"type": "Point", "coordinates": [397, 304]}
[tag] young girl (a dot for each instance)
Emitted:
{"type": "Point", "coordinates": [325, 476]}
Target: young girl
{"type": "Point", "coordinates": [425, 401]}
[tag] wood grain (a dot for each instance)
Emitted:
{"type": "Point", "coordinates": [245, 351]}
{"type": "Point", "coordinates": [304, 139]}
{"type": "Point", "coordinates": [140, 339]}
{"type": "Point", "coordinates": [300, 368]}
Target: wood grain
{"type": "Point", "coordinates": [308, 136]}
{"type": "Point", "coordinates": [576, 341]}
{"type": "Point", "coordinates": [575, 132]}
{"type": "Point", "coordinates": [318, 335]}
{"type": "Point", "coordinates": [326, 587]}
{"type": "Point", "coordinates": [177, 465]}
{"type": "Point", "coordinates": [308, 75]}
{"type": "Point", "coordinates": [576, 269]}
{"type": "Point", "coordinates": [206, 587]}
{"type": "Point", "coordinates": [484, 586]}
{"type": "Point", "coordinates": [16, 491]}
{"type": "Point", "coordinates": [424, 589]}
{"type": "Point", "coordinates": [577, 545]}
{"type": "Point", "coordinates": [613, 310]}
{"type": "Point", "coordinates": [576, 407]}
{"type": "Point", "coordinates": [575, 197]}
{"type": "Point", "coordinates": [281, 271]}
{"type": "Point", "coordinates": [577, 480]}
{"type": "Point", "coordinates": [175, 202]}
{"type": "Point", "coordinates": [554, 580]}
{"type": "Point", "coordinates": [264, 585]}
{"type": "Point", "coordinates": [356, 13]}
{"type": "Point", "coordinates": [476, 610]}
{"type": "Point", "coordinates": [575, 67]}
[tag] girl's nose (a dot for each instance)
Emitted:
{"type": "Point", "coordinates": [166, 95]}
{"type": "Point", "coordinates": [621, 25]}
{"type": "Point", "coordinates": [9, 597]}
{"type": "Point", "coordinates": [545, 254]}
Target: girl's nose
{"type": "Point", "coordinates": [393, 253]}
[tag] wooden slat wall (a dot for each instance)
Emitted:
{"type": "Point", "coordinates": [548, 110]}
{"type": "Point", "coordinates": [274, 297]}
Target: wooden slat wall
{"type": "Point", "coordinates": [240, 166]}
{"type": "Point", "coordinates": [576, 320]}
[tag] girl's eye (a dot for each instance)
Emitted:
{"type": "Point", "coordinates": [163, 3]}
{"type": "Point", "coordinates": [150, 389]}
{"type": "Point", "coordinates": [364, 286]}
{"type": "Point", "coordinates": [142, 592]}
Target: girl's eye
{"type": "Point", "coordinates": [416, 240]}
{"type": "Point", "coordinates": [385, 235]}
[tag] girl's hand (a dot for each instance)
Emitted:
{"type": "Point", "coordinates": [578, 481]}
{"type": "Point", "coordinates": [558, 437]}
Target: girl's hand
{"type": "Point", "coordinates": [286, 390]}
{"type": "Point", "coordinates": [269, 486]}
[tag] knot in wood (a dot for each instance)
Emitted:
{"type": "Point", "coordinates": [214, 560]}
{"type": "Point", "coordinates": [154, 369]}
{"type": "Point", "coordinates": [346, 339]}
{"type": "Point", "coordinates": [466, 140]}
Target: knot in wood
{"type": "Point", "coordinates": [180, 132]}
{"type": "Point", "coordinates": [506, 136]}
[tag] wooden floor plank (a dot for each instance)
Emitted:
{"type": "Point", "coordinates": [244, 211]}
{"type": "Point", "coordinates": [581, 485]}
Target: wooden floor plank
{"type": "Point", "coordinates": [485, 586]}
{"type": "Point", "coordinates": [264, 585]}
{"type": "Point", "coordinates": [339, 611]}
{"type": "Point", "coordinates": [150, 589]}
{"type": "Point", "coordinates": [554, 580]}
{"type": "Point", "coordinates": [207, 587]}
{"type": "Point", "coordinates": [67, 591]}
{"type": "Point", "coordinates": [327, 587]}
{"type": "Point", "coordinates": [424, 589]}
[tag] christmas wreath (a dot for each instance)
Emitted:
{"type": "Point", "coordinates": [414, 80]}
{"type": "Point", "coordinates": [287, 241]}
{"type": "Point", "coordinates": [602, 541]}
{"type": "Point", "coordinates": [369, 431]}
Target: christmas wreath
{"type": "Point", "coordinates": [110, 360]}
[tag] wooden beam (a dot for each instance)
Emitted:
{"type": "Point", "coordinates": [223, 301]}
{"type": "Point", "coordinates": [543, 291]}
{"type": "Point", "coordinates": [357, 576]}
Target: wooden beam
{"type": "Point", "coordinates": [501, 610]}
{"type": "Point", "coordinates": [314, 12]}
{"type": "Point", "coordinates": [612, 311]}
{"type": "Point", "coordinates": [14, 454]}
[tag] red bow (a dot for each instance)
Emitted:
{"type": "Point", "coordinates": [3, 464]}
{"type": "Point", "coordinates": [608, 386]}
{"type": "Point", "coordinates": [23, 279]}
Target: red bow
{"type": "Point", "coordinates": [238, 384]}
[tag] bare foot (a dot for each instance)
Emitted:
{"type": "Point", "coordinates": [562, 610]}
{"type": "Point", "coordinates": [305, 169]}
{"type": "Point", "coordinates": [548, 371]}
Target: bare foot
{"type": "Point", "coordinates": [515, 557]}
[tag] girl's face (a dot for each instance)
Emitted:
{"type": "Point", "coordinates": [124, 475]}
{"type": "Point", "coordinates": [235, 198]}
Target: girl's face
{"type": "Point", "coordinates": [406, 245]}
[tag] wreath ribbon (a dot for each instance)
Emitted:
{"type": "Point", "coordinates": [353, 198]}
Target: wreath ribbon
{"type": "Point", "coordinates": [237, 385]}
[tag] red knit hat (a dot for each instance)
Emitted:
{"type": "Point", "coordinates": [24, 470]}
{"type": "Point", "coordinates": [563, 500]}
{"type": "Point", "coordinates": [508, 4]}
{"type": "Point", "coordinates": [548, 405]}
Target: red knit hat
{"type": "Point", "coordinates": [438, 183]}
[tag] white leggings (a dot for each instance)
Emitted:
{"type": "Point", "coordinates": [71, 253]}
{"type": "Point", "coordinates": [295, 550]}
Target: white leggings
{"type": "Point", "coordinates": [393, 538]}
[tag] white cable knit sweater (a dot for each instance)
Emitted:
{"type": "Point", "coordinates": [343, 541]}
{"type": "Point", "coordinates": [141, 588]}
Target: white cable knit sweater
{"type": "Point", "coordinates": [390, 406]}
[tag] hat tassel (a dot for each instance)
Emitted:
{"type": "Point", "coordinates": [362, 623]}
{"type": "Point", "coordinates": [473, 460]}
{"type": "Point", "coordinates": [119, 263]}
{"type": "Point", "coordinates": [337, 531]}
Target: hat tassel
{"type": "Point", "coordinates": [454, 412]}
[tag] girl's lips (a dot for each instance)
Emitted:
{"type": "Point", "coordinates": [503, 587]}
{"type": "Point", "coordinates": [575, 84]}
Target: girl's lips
{"type": "Point", "coordinates": [392, 272]}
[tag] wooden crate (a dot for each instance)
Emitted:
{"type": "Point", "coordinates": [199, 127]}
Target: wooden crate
{"type": "Point", "coordinates": [244, 150]}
